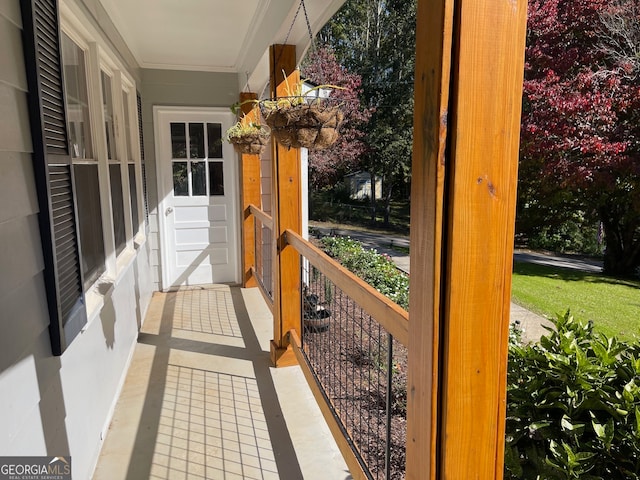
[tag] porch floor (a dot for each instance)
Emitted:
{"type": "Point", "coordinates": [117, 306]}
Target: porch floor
{"type": "Point", "coordinates": [201, 400]}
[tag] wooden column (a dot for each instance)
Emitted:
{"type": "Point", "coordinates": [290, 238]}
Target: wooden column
{"type": "Point", "coordinates": [250, 193]}
{"type": "Point", "coordinates": [286, 212]}
{"type": "Point", "coordinates": [469, 72]}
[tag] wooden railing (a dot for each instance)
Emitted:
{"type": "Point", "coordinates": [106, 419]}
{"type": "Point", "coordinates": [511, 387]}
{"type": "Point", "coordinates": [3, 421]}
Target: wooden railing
{"type": "Point", "coordinates": [392, 317]}
{"type": "Point", "coordinates": [352, 350]}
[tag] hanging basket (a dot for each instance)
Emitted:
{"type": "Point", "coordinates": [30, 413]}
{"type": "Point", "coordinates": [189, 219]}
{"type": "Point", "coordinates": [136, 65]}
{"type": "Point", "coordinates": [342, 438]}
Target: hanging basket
{"type": "Point", "coordinates": [251, 143]}
{"type": "Point", "coordinates": [308, 122]}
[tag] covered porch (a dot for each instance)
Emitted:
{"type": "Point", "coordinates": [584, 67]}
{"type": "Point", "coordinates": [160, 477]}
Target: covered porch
{"type": "Point", "coordinates": [201, 399]}
{"type": "Point", "coordinates": [190, 406]}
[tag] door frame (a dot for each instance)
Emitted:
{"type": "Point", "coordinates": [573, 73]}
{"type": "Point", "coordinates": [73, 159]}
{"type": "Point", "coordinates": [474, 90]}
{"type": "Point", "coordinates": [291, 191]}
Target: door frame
{"type": "Point", "coordinates": [158, 110]}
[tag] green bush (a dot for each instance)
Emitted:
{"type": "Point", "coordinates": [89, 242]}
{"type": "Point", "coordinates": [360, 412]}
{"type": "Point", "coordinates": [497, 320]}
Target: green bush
{"type": "Point", "coordinates": [573, 406]}
{"type": "Point", "coordinates": [576, 236]}
{"type": "Point", "coordinates": [375, 269]}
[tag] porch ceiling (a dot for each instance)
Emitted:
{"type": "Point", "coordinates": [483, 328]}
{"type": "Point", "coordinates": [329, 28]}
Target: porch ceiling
{"type": "Point", "coordinates": [214, 35]}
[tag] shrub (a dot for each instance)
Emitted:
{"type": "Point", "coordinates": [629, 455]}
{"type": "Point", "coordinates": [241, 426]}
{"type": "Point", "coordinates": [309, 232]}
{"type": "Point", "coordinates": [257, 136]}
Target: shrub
{"type": "Point", "coordinates": [573, 406]}
{"type": "Point", "coordinates": [375, 269]}
{"type": "Point", "coordinates": [574, 235]}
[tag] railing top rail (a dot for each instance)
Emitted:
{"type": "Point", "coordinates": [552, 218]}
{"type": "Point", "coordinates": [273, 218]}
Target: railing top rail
{"type": "Point", "coordinates": [260, 215]}
{"type": "Point", "coordinates": [392, 317]}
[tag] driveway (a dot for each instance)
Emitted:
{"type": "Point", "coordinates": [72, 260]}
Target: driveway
{"type": "Point", "coordinates": [394, 246]}
{"type": "Point", "coordinates": [563, 261]}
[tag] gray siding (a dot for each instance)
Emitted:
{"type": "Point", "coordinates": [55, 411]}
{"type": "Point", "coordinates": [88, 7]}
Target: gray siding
{"type": "Point", "coordinates": [52, 405]}
{"type": "Point", "coordinates": [20, 253]}
{"type": "Point", "coordinates": [176, 88]}
{"type": "Point", "coordinates": [23, 306]}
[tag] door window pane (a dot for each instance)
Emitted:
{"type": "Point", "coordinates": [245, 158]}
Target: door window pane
{"type": "Point", "coordinates": [117, 205]}
{"type": "Point", "coordinates": [216, 178]}
{"type": "Point", "coordinates": [75, 83]}
{"type": "Point", "coordinates": [133, 193]}
{"type": "Point", "coordinates": [180, 179]}
{"type": "Point", "coordinates": [107, 101]}
{"type": "Point", "coordinates": [196, 140]}
{"type": "Point", "coordinates": [178, 140]}
{"type": "Point", "coordinates": [90, 222]}
{"type": "Point", "coordinates": [214, 138]}
{"type": "Point", "coordinates": [199, 178]}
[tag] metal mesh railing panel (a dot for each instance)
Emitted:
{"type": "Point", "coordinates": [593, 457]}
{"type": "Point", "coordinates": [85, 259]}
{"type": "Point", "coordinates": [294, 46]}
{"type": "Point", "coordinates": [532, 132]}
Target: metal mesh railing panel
{"type": "Point", "coordinates": [362, 371]}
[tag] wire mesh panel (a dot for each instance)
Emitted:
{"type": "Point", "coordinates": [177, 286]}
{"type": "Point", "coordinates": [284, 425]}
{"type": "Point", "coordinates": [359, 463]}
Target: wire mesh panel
{"type": "Point", "coordinates": [263, 266]}
{"type": "Point", "coordinates": [362, 371]}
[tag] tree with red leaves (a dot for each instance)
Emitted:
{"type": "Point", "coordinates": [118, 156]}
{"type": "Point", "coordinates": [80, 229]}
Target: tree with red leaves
{"type": "Point", "coordinates": [581, 118]}
{"type": "Point", "coordinates": [328, 166]}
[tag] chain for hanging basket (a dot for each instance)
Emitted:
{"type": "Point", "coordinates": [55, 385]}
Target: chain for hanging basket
{"type": "Point", "coordinates": [303, 120]}
{"type": "Point", "coordinates": [309, 122]}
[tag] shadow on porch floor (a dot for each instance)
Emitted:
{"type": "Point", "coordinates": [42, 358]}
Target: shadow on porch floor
{"type": "Point", "coordinates": [201, 401]}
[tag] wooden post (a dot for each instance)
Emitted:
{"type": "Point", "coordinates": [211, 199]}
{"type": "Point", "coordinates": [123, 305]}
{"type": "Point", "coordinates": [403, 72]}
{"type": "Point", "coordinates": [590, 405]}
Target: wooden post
{"type": "Point", "coordinates": [469, 72]}
{"type": "Point", "coordinates": [250, 193]}
{"type": "Point", "coordinates": [286, 212]}
{"type": "Point", "coordinates": [432, 74]}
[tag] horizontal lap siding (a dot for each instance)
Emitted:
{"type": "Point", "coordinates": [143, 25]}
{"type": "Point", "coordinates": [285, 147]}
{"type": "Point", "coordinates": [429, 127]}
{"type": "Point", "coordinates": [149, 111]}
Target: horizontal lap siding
{"type": "Point", "coordinates": [57, 404]}
{"type": "Point", "coordinates": [24, 315]}
{"type": "Point", "coordinates": [20, 252]}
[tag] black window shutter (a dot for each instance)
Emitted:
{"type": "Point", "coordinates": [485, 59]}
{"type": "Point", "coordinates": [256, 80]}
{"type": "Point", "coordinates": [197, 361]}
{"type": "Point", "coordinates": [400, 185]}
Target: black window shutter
{"type": "Point", "coordinates": [144, 171]}
{"type": "Point", "coordinates": [53, 171]}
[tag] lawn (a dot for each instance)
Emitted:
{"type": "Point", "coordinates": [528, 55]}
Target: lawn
{"type": "Point", "coordinates": [612, 304]}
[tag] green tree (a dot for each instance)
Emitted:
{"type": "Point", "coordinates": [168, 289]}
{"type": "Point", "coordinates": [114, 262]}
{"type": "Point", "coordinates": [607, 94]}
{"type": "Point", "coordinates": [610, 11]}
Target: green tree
{"type": "Point", "coordinates": [329, 165]}
{"type": "Point", "coordinates": [581, 121]}
{"type": "Point", "coordinates": [376, 40]}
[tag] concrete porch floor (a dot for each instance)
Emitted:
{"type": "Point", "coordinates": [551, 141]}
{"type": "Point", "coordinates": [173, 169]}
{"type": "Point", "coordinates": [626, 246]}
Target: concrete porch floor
{"type": "Point", "coordinates": [201, 400]}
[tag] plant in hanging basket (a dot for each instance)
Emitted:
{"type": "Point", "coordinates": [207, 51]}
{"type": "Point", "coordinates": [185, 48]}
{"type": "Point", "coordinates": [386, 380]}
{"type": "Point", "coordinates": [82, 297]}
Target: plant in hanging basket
{"type": "Point", "coordinates": [303, 120]}
{"type": "Point", "coordinates": [249, 137]}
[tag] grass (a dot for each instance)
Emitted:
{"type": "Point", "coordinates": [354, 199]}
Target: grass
{"type": "Point", "coordinates": [612, 304]}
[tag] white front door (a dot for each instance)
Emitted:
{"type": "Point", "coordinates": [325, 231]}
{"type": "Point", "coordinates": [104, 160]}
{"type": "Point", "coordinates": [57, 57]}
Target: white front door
{"type": "Point", "coordinates": [197, 177]}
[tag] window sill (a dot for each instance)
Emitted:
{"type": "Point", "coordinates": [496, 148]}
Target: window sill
{"type": "Point", "coordinates": [103, 288]}
{"type": "Point", "coordinates": [95, 297]}
{"type": "Point", "coordinates": [138, 240]}
{"type": "Point", "coordinates": [123, 262]}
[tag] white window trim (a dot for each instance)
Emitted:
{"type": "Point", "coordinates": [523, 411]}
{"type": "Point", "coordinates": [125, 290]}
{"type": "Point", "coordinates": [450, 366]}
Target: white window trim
{"type": "Point", "coordinates": [99, 57]}
{"type": "Point", "coordinates": [127, 86]}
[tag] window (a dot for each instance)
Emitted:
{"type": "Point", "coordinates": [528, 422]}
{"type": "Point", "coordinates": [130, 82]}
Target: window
{"type": "Point", "coordinates": [115, 173]}
{"type": "Point", "coordinates": [77, 164]}
{"type": "Point", "coordinates": [55, 138]}
{"type": "Point", "coordinates": [85, 166]}
{"type": "Point", "coordinates": [196, 170]}
{"type": "Point", "coordinates": [75, 82]}
{"type": "Point", "coordinates": [131, 164]}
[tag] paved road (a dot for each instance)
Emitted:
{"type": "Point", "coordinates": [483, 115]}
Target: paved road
{"type": "Point", "coordinates": [532, 324]}
{"type": "Point", "coordinates": [565, 261]}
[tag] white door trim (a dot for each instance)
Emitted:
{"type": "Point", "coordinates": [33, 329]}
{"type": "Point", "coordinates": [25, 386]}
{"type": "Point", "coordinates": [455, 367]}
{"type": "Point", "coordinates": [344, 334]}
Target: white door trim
{"type": "Point", "coordinates": [161, 180]}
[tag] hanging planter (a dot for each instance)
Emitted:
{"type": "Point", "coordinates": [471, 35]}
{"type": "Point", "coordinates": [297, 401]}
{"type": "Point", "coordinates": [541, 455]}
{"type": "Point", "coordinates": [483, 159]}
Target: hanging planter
{"type": "Point", "coordinates": [308, 122]}
{"type": "Point", "coordinates": [250, 138]}
{"type": "Point", "coordinates": [304, 120]}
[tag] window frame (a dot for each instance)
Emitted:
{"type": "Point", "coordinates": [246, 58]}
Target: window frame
{"type": "Point", "coordinates": [72, 301]}
{"type": "Point", "coordinates": [63, 277]}
{"type": "Point", "coordinates": [101, 59]}
{"type": "Point", "coordinates": [130, 135]}
{"type": "Point", "coordinates": [85, 46]}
